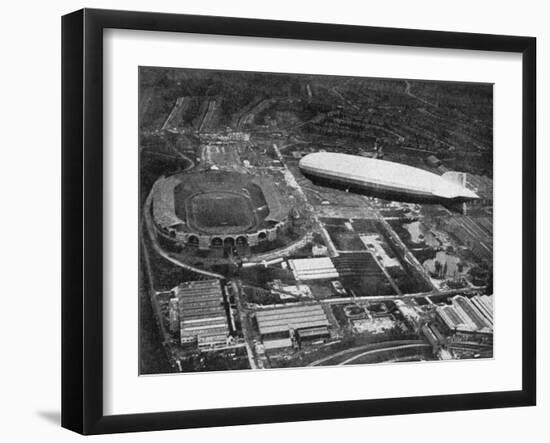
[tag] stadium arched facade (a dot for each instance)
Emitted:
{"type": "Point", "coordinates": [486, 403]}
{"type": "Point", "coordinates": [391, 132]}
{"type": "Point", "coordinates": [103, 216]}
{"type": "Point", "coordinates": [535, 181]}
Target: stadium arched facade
{"type": "Point", "coordinates": [218, 209]}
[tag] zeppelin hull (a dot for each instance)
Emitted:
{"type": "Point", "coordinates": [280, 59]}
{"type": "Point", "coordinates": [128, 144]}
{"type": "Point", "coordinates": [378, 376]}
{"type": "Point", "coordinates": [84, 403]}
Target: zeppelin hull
{"type": "Point", "coordinates": [381, 178]}
{"type": "Point", "coordinates": [371, 189]}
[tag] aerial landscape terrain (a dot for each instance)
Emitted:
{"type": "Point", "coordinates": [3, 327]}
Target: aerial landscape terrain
{"type": "Point", "coordinates": [302, 220]}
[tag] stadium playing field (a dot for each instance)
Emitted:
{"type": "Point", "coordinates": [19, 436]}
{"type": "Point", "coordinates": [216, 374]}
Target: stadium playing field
{"type": "Point", "coordinates": [222, 212]}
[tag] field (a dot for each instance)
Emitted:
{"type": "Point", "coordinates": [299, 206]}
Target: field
{"type": "Point", "coordinates": [222, 212]}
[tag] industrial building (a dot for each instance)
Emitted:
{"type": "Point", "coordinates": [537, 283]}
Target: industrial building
{"type": "Point", "coordinates": [434, 336]}
{"type": "Point", "coordinates": [468, 309]}
{"type": "Point", "coordinates": [464, 315]}
{"type": "Point", "coordinates": [451, 318]}
{"type": "Point", "coordinates": [202, 315]}
{"type": "Point", "coordinates": [484, 304]}
{"type": "Point", "coordinates": [277, 326]}
{"type": "Point", "coordinates": [431, 337]}
{"type": "Point", "coordinates": [313, 268]}
{"type": "Point", "coordinates": [382, 176]}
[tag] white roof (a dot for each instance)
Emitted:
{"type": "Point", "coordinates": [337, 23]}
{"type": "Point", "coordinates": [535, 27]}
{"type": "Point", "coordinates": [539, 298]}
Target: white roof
{"type": "Point", "coordinates": [163, 202]}
{"type": "Point", "coordinates": [313, 268]}
{"type": "Point", "coordinates": [278, 343]}
{"type": "Point", "coordinates": [383, 172]}
{"type": "Point", "coordinates": [301, 264]}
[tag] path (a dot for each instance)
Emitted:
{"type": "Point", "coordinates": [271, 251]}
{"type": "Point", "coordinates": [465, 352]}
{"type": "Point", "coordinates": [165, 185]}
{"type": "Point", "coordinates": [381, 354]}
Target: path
{"type": "Point", "coordinates": [372, 346]}
{"type": "Point", "coordinates": [374, 351]}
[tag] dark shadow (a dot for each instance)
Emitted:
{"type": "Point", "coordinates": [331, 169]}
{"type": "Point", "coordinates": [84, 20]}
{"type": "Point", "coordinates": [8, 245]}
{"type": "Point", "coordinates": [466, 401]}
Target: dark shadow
{"type": "Point", "coordinates": [54, 417]}
{"type": "Point", "coordinates": [371, 192]}
{"type": "Point", "coordinates": [453, 205]}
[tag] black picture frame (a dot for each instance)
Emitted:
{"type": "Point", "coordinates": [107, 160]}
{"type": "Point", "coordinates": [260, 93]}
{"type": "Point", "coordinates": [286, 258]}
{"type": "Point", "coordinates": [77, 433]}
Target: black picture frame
{"type": "Point", "coordinates": [82, 220]}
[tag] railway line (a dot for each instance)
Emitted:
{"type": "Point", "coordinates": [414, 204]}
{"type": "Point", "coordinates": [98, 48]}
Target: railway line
{"type": "Point", "coordinates": [365, 350]}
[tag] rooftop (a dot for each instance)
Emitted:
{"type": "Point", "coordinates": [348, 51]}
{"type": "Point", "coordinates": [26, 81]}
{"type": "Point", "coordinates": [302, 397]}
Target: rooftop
{"type": "Point", "coordinates": [294, 317]}
{"type": "Point", "coordinates": [201, 312]}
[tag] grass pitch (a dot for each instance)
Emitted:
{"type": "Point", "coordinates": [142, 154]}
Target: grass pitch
{"type": "Point", "coordinates": [222, 212]}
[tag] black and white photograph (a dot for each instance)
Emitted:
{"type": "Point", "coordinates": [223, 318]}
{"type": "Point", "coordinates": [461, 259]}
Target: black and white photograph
{"type": "Point", "coordinates": [295, 220]}
{"type": "Point", "coordinates": [272, 222]}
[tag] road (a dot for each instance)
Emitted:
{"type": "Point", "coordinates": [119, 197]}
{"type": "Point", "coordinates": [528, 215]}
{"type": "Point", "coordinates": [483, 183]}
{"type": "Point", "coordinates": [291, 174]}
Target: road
{"type": "Point", "coordinates": [151, 231]}
{"type": "Point", "coordinates": [153, 295]}
{"type": "Point", "coordinates": [374, 351]}
{"type": "Point", "coordinates": [293, 183]}
{"type": "Point", "coordinates": [410, 94]}
{"type": "Point", "coordinates": [387, 345]}
{"type": "Point", "coordinates": [245, 327]}
{"type": "Point", "coordinates": [157, 313]}
{"type": "Point", "coordinates": [407, 254]}
{"type": "Point", "coordinates": [386, 273]}
{"type": "Point", "coordinates": [378, 298]}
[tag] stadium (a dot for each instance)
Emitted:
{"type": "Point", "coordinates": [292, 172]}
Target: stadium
{"type": "Point", "coordinates": [381, 177]}
{"type": "Point", "coordinates": [216, 209]}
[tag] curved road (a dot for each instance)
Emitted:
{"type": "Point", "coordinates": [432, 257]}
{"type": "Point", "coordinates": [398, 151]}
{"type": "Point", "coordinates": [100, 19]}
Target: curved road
{"type": "Point", "coordinates": [374, 351]}
{"type": "Point", "coordinates": [387, 345]}
{"type": "Point", "coordinates": [150, 230]}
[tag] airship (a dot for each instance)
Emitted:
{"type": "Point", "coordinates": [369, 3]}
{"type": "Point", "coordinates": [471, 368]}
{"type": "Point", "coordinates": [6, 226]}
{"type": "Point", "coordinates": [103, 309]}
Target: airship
{"type": "Point", "coordinates": [382, 178]}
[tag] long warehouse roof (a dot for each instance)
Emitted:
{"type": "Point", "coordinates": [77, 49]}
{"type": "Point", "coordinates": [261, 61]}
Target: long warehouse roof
{"type": "Point", "coordinates": [295, 317]}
